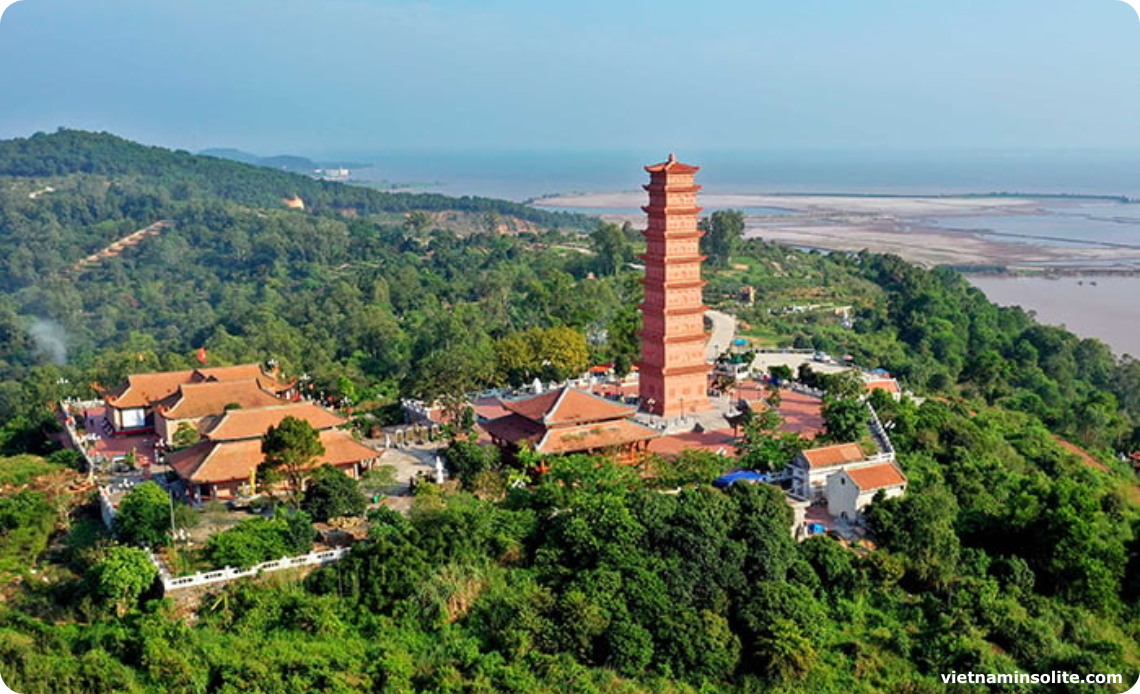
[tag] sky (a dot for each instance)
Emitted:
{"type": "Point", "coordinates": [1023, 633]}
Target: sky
{"type": "Point", "coordinates": [339, 76]}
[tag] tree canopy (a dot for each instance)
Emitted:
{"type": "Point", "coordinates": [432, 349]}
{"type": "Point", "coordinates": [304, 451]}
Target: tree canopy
{"type": "Point", "coordinates": [144, 516]}
{"type": "Point", "coordinates": [331, 493]}
{"type": "Point", "coordinates": [291, 449]}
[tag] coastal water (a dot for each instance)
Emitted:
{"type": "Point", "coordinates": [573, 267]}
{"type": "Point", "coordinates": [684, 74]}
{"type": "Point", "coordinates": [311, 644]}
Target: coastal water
{"type": "Point", "coordinates": [526, 175]}
{"type": "Point", "coordinates": [1100, 307]}
{"type": "Point", "coordinates": [1104, 225]}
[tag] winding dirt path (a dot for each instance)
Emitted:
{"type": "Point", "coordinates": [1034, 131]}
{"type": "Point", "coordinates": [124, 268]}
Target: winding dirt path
{"type": "Point", "coordinates": [113, 250]}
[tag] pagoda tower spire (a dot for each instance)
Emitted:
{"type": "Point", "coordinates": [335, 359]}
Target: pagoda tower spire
{"type": "Point", "coordinates": [673, 371]}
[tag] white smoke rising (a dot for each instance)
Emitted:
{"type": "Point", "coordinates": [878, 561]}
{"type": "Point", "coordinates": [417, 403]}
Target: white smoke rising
{"type": "Point", "coordinates": [50, 339]}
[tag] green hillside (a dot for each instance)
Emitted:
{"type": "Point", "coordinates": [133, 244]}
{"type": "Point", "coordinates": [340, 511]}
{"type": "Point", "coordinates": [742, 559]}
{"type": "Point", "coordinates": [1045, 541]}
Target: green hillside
{"type": "Point", "coordinates": [360, 276]}
{"type": "Point", "coordinates": [1009, 552]}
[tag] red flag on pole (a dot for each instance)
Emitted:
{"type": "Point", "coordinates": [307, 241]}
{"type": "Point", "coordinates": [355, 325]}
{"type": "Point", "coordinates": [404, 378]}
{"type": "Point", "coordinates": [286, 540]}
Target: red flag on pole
{"type": "Point", "coordinates": [202, 355]}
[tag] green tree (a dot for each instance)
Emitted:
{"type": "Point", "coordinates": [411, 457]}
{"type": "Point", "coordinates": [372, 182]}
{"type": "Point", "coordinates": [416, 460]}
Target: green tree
{"type": "Point", "coordinates": [845, 384]}
{"type": "Point", "coordinates": [185, 435]}
{"type": "Point", "coordinates": [612, 247]}
{"type": "Point", "coordinates": [466, 459]}
{"type": "Point", "coordinates": [491, 222]}
{"type": "Point", "coordinates": [143, 517]}
{"type": "Point", "coordinates": [417, 222]}
{"type": "Point", "coordinates": [844, 419]}
{"type": "Point", "coordinates": [763, 446]}
{"type": "Point", "coordinates": [121, 576]}
{"type": "Point", "coordinates": [781, 372]}
{"type": "Point", "coordinates": [724, 230]}
{"type": "Point", "coordinates": [920, 527]}
{"type": "Point", "coordinates": [290, 449]}
{"type": "Point", "coordinates": [564, 352]}
{"type": "Point", "coordinates": [258, 540]}
{"type": "Point", "coordinates": [331, 493]}
{"type": "Point", "coordinates": [779, 622]}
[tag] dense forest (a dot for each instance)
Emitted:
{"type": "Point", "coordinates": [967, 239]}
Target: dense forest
{"type": "Point", "coordinates": [1008, 553]}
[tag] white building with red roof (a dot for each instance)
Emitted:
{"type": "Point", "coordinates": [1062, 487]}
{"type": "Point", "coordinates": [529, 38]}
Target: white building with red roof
{"type": "Point", "coordinates": [884, 383]}
{"type": "Point", "coordinates": [849, 491]}
{"type": "Point", "coordinates": [812, 467]}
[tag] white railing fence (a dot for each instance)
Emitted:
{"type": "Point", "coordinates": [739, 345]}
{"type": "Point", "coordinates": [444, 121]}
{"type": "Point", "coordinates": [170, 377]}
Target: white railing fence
{"type": "Point", "coordinates": [229, 574]}
{"type": "Point", "coordinates": [879, 434]}
{"type": "Point", "coordinates": [106, 508]}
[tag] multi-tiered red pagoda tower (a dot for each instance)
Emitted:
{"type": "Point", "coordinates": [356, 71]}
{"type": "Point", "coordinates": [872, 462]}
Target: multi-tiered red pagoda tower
{"type": "Point", "coordinates": [673, 372]}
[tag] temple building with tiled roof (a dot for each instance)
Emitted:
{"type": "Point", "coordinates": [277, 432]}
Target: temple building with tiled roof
{"type": "Point", "coordinates": [227, 468]}
{"type": "Point", "coordinates": [568, 420]}
{"type": "Point", "coordinates": [193, 402]}
{"type": "Point", "coordinates": [235, 425]}
{"type": "Point", "coordinates": [131, 405]}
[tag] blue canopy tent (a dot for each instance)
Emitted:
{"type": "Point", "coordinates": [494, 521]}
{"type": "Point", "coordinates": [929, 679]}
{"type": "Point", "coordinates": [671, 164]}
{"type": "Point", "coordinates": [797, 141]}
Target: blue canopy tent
{"type": "Point", "coordinates": [732, 478]}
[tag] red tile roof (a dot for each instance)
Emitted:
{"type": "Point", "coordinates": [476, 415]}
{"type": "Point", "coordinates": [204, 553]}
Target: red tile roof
{"type": "Point", "coordinates": [594, 436]}
{"type": "Point", "coordinates": [194, 400]}
{"type": "Point", "coordinates": [246, 424]}
{"type": "Point", "coordinates": [888, 384]}
{"type": "Point", "coordinates": [718, 441]}
{"type": "Point", "coordinates": [876, 476]}
{"type": "Point", "coordinates": [567, 406]}
{"type": "Point", "coordinates": [672, 166]}
{"type": "Point", "coordinates": [212, 462]}
{"type": "Point", "coordinates": [341, 448]}
{"type": "Point", "coordinates": [514, 429]}
{"type": "Point", "coordinates": [830, 456]}
{"type": "Point", "coordinates": [140, 390]}
{"type": "Point", "coordinates": [241, 372]}
{"type": "Point", "coordinates": [489, 408]}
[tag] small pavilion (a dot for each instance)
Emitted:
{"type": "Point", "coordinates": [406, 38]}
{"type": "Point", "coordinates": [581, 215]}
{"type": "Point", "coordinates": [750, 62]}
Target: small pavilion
{"type": "Point", "coordinates": [568, 420]}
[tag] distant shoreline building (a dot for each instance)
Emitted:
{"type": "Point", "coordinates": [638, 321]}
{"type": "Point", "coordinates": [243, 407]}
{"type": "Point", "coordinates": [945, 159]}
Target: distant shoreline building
{"type": "Point", "coordinates": [673, 371]}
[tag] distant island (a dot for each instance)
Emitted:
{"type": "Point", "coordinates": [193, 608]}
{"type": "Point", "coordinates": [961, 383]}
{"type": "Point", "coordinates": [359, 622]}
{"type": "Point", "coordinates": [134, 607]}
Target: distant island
{"type": "Point", "coordinates": [333, 171]}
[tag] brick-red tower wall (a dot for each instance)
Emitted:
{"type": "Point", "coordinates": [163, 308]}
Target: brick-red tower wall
{"type": "Point", "coordinates": [673, 372]}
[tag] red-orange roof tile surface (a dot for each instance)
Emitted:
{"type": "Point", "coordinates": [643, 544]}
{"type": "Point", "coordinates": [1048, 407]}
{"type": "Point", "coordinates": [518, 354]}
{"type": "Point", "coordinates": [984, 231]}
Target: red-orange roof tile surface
{"type": "Point", "coordinates": [224, 461]}
{"type": "Point", "coordinates": [245, 424]}
{"type": "Point", "coordinates": [193, 400]}
{"type": "Point", "coordinates": [888, 384]}
{"type": "Point", "coordinates": [566, 406]}
{"type": "Point", "coordinates": [876, 476]}
{"type": "Point", "coordinates": [833, 455]}
{"type": "Point", "coordinates": [141, 390]}
{"type": "Point", "coordinates": [514, 428]}
{"type": "Point", "coordinates": [241, 372]}
{"type": "Point", "coordinates": [672, 166]}
{"type": "Point", "coordinates": [594, 436]}
{"type": "Point", "coordinates": [718, 441]}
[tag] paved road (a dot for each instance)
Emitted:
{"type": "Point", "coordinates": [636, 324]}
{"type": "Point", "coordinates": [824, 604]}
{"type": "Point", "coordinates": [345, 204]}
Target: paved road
{"type": "Point", "coordinates": [723, 333]}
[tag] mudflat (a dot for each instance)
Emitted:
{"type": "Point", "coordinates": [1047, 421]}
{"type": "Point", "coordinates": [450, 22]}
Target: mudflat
{"type": "Point", "coordinates": [911, 227]}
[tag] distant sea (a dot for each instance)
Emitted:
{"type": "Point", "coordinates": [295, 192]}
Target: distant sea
{"type": "Point", "coordinates": [1106, 311]}
{"type": "Point", "coordinates": [525, 175]}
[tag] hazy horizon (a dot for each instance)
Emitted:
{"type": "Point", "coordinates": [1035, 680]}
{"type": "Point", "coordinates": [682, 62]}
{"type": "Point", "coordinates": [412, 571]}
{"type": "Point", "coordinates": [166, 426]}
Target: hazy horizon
{"type": "Point", "coordinates": [324, 79]}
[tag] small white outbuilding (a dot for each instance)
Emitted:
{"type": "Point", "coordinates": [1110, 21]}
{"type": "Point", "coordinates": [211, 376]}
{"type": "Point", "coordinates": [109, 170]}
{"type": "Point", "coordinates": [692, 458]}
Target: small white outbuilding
{"type": "Point", "coordinates": [849, 491]}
